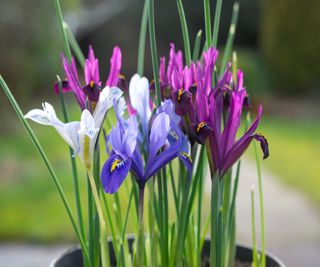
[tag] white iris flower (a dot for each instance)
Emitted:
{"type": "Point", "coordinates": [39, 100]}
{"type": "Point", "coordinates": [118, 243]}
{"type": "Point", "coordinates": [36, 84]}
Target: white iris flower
{"type": "Point", "coordinates": [81, 135]}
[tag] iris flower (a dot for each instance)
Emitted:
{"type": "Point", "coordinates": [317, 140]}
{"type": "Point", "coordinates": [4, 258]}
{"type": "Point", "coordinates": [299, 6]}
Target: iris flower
{"type": "Point", "coordinates": [93, 85]}
{"type": "Point", "coordinates": [81, 135]}
{"type": "Point", "coordinates": [126, 155]}
{"type": "Point", "coordinates": [205, 105]}
{"type": "Point", "coordinates": [225, 148]}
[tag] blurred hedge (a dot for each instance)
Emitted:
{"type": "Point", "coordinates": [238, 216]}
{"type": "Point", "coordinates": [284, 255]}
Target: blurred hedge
{"type": "Point", "coordinates": [290, 40]}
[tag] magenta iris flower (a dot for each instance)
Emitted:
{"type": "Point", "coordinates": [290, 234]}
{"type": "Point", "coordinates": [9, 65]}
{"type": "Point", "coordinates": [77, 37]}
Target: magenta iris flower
{"type": "Point", "coordinates": [204, 105]}
{"type": "Point", "coordinates": [93, 85]}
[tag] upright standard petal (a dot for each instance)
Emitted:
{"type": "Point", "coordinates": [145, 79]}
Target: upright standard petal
{"type": "Point", "coordinates": [106, 98]}
{"type": "Point", "coordinates": [91, 70]}
{"type": "Point", "coordinates": [72, 76]}
{"type": "Point", "coordinates": [87, 125]}
{"type": "Point", "coordinates": [162, 72]}
{"type": "Point", "coordinates": [115, 67]}
{"type": "Point", "coordinates": [140, 99]}
{"type": "Point", "coordinates": [159, 131]}
{"type": "Point", "coordinates": [233, 120]}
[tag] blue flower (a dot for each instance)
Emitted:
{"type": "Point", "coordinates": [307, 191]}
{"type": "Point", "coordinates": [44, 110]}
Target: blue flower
{"type": "Point", "coordinates": [126, 156]}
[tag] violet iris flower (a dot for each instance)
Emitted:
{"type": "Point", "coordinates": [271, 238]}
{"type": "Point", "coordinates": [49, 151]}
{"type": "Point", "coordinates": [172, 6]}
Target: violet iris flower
{"type": "Point", "coordinates": [126, 155]}
{"type": "Point", "coordinates": [225, 149]}
{"type": "Point", "coordinates": [93, 85]}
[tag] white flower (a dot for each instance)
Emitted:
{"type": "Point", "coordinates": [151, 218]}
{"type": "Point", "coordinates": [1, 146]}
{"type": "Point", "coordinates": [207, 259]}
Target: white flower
{"type": "Point", "coordinates": [140, 99]}
{"type": "Point", "coordinates": [81, 135]}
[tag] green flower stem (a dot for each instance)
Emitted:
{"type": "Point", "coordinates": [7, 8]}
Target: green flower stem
{"type": "Point", "coordinates": [207, 20]}
{"type": "Point", "coordinates": [254, 241]}
{"type": "Point", "coordinates": [47, 163]}
{"type": "Point", "coordinates": [196, 48]}
{"type": "Point", "coordinates": [108, 216]}
{"type": "Point", "coordinates": [229, 44]}
{"type": "Point", "coordinates": [200, 196]}
{"type": "Point", "coordinates": [226, 200]}
{"type": "Point", "coordinates": [140, 248]}
{"type": "Point", "coordinates": [142, 38]}
{"type": "Point", "coordinates": [205, 231]}
{"type": "Point", "coordinates": [175, 259]}
{"type": "Point", "coordinates": [154, 55]}
{"type": "Point", "coordinates": [91, 212]}
{"type": "Point", "coordinates": [261, 206]}
{"type": "Point", "coordinates": [105, 260]}
{"type": "Point", "coordinates": [231, 216]}
{"type": "Point", "coordinates": [121, 254]}
{"type": "Point", "coordinates": [165, 218]}
{"type": "Point", "coordinates": [96, 227]}
{"type": "Point", "coordinates": [185, 209]}
{"type": "Point", "coordinates": [210, 159]}
{"type": "Point", "coordinates": [117, 211]}
{"type": "Point", "coordinates": [66, 46]}
{"type": "Point", "coordinates": [215, 253]}
{"type": "Point", "coordinates": [74, 45]}
{"type": "Point", "coordinates": [216, 23]}
{"type": "Point", "coordinates": [185, 32]}
{"type": "Point", "coordinates": [73, 166]}
{"type": "Point", "coordinates": [151, 222]}
{"type": "Point", "coordinates": [174, 189]}
{"type": "Point", "coordinates": [161, 212]}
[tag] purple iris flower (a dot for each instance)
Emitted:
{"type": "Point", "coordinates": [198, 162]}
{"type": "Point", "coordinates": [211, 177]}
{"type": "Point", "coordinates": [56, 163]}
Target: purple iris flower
{"type": "Point", "coordinates": [225, 149]}
{"type": "Point", "coordinates": [92, 88]}
{"type": "Point", "coordinates": [126, 155]}
{"type": "Point", "coordinates": [205, 105]}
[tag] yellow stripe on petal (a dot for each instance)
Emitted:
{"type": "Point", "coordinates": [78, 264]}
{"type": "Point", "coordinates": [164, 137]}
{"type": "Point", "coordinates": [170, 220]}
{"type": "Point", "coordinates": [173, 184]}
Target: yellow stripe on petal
{"type": "Point", "coordinates": [186, 155]}
{"type": "Point", "coordinates": [180, 92]}
{"type": "Point", "coordinates": [200, 126]}
{"type": "Point", "coordinates": [86, 152]}
{"type": "Point", "coordinates": [115, 164]}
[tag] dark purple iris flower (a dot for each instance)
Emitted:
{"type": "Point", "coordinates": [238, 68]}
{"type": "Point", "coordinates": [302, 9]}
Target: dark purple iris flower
{"type": "Point", "coordinates": [205, 105]}
{"type": "Point", "coordinates": [92, 88]}
{"type": "Point", "coordinates": [126, 155]}
{"type": "Point", "coordinates": [225, 149]}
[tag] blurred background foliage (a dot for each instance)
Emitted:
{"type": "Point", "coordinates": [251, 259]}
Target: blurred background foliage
{"type": "Point", "coordinates": [290, 43]}
{"type": "Point", "coordinates": [277, 44]}
{"type": "Point", "coordinates": [282, 38]}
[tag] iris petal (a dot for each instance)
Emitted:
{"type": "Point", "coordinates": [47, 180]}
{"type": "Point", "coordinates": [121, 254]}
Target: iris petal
{"type": "Point", "coordinates": [159, 131]}
{"type": "Point", "coordinates": [113, 173]}
{"type": "Point", "coordinates": [139, 98]}
{"type": "Point", "coordinates": [115, 67]}
{"type": "Point", "coordinates": [263, 144]}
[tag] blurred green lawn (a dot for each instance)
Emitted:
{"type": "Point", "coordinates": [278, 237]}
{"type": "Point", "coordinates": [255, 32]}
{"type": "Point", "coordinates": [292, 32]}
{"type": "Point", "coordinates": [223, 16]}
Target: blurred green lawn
{"type": "Point", "coordinates": [294, 153]}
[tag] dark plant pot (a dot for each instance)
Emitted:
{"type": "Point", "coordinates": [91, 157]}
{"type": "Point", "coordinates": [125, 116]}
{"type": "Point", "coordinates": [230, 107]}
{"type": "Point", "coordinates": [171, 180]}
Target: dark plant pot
{"type": "Point", "coordinates": [73, 256]}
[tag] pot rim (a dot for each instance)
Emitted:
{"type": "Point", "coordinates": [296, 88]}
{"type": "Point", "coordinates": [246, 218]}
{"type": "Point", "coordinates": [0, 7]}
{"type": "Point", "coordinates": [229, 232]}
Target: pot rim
{"type": "Point", "coordinates": [268, 253]}
{"type": "Point", "coordinates": [129, 236]}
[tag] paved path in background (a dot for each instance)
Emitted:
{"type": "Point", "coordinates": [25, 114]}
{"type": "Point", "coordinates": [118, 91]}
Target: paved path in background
{"type": "Point", "coordinates": [292, 223]}
{"type": "Point", "coordinates": [26, 255]}
{"type": "Point", "coordinates": [292, 226]}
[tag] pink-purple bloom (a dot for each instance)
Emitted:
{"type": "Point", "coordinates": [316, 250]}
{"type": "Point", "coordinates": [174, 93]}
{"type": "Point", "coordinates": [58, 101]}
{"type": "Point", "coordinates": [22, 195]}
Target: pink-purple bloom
{"type": "Point", "coordinates": [93, 85]}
